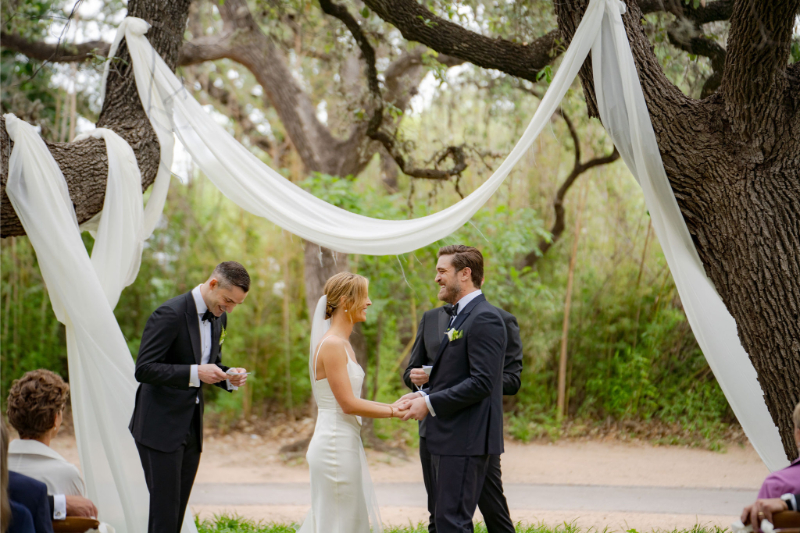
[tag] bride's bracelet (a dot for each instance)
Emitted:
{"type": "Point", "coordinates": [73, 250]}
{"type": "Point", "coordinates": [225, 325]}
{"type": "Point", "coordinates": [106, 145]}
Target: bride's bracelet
{"type": "Point", "coordinates": [391, 415]}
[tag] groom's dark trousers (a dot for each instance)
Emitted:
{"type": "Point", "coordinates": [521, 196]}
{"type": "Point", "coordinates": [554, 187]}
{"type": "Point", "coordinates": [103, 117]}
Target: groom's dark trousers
{"type": "Point", "coordinates": [167, 422]}
{"type": "Point", "coordinates": [465, 392]}
{"type": "Point", "coordinates": [492, 501]}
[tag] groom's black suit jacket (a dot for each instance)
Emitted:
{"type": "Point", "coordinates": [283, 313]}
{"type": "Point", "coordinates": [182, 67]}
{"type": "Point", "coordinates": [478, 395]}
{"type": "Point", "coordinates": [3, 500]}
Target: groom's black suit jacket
{"type": "Point", "coordinates": [165, 403]}
{"type": "Point", "coordinates": [466, 385]}
{"type": "Point", "coordinates": [429, 337]}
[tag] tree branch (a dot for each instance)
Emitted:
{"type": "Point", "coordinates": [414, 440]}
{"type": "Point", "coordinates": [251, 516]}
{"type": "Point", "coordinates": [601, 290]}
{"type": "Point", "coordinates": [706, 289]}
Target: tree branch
{"type": "Point", "coordinates": [578, 168]}
{"type": "Point", "coordinates": [687, 36]}
{"type": "Point", "coordinates": [456, 153]}
{"type": "Point", "coordinates": [754, 80]}
{"type": "Point", "coordinates": [417, 23]}
{"type": "Point", "coordinates": [54, 53]}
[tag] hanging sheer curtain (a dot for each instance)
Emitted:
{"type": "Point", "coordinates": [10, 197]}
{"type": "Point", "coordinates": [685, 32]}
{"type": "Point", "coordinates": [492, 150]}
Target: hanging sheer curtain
{"type": "Point", "coordinates": [84, 291]}
{"type": "Point", "coordinates": [624, 114]}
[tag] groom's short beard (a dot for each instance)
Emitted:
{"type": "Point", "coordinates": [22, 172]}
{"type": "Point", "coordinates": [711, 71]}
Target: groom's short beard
{"type": "Point", "coordinates": [452, 292]}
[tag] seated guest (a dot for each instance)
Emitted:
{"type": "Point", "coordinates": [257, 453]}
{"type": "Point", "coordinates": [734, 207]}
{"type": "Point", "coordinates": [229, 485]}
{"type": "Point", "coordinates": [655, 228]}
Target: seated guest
{"type": "Point", "coordinates": [779, 488]}
{"type": "Point", "coordinates": [27, 509]}
{"type": "Point", "coordinates": [36, 405]}
{"type": "Point", "coordinates": [787, 480]}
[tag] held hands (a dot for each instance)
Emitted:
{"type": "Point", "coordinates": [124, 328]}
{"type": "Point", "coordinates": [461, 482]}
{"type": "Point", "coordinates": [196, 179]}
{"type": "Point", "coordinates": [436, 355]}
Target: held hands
{"type": "Point", "coordinates": [400, 408]}
{"type": "Point", "coordinates": [412, 405]}
{"type": "Point", "coordinates": [417, 409]}
{"type": "Point", "coordinates": [761, 510]}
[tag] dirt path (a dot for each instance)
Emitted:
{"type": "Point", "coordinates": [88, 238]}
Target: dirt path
{"type": "Point", "coordinates": [603, 477]}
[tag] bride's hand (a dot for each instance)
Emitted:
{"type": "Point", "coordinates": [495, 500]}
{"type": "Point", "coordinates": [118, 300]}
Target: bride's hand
{"type": "Point", "coordinates": [401, 404]}
{"type": "Point", "coordinates": [407, 397]}
{"type": "Point", "coordinates": [399, 413]}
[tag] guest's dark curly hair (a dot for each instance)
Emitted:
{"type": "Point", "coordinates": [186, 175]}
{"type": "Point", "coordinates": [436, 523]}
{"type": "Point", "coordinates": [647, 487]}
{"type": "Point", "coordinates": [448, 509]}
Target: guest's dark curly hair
{"type": "Point", "coordinates": [34, 402]}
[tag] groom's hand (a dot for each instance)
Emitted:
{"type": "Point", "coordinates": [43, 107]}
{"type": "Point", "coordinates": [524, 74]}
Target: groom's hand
{"type": "Point", "coordinates": [418, 377]}
{"type": "Point", "coordinates": [211, 374]}
{"type": "Point", "coordinates": [408, 397]}
{"type": "Point", "coordinates": [418, 409]}
{"type": "Point", "coordinates": [238, 381]}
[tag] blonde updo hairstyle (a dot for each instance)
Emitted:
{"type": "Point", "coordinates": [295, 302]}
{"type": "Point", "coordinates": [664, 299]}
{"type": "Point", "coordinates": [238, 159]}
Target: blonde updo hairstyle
{"type": "Point", "coordinates": [352, 287]}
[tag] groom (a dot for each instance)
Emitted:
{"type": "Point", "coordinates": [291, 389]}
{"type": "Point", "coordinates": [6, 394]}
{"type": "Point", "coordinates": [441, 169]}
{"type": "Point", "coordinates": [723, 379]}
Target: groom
{"type": "Point", "coordinates": [180, 350]}
{"type": "Point", "coordinates": [465, 393]}
{"type": "Point", "coordinates": [492, 502]}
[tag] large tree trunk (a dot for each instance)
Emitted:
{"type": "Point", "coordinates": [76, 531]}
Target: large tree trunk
{"type": "Point", "coordinates": [84, 163]}
{"type": "Point", "coordinates": [320, 264]}
{"type": "Point", "coordinates": [733, 160]}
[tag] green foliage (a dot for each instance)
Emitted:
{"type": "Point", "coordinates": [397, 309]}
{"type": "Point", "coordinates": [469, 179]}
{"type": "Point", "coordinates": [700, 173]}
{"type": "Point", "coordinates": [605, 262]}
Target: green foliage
{"type": "Point", "coordinates": [794, 56]}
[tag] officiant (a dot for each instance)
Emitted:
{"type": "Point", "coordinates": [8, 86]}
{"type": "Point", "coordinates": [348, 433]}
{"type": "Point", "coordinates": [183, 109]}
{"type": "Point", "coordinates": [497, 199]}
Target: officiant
{"type": "Point", "coordinates": [181, 350]}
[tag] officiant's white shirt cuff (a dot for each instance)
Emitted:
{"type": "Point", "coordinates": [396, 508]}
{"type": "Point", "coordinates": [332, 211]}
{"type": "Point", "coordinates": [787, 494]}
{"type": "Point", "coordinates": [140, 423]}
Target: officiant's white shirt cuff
{"type": "Point", "coordinates": [427, 402]}
{"type": "Point", "coordinates": [59, 507]}
{"type": "Point", "coordinates": [194, 379]}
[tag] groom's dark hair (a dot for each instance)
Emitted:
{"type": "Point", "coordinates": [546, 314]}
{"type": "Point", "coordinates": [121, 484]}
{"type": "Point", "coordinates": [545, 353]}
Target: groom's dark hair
{"type": "Point", "coordinates": [232, 273]}
{"type": "Point", "coordinates": [466, 257]}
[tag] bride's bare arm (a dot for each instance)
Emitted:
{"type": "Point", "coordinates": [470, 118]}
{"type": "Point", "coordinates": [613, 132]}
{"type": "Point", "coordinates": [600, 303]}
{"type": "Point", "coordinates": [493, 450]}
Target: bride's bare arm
{"type": "Point", "coordinates": [333, 361]}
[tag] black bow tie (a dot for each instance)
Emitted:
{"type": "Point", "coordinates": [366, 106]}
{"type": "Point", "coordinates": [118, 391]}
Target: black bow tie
{"type": "Point", "coordinates": [208, 315]}
{"type": "Point", "coordinates": [451, 310]}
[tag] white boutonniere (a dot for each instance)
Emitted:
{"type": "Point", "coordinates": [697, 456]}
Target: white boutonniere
{"type": "Point", "coordinates": [453, 334]}
{"type": "Point", "coordinates": [222, 335]}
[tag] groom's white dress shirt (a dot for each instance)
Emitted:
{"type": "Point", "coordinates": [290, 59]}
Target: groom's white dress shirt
{"type": "Point", "coordinates": [205, 340]}
{"type": "Point", "coordinates": [460, 305]}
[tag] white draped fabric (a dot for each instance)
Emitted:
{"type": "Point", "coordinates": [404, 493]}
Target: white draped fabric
{"type": "Point", "coordinates": [100, 365]}
{"type": "Point", "coordinates": [624, 114]}
{"type": "Point", "coordinates": [84, 292]}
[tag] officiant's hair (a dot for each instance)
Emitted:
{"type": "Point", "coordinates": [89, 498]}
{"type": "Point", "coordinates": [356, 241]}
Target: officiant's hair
{"type": "Point", "coordinates": [463, 257]}
{"type": "Point", "coordinates": [232, 273]}
{"type": "Point", "coordinates": [34, 401]}
{"type": "Point", "coordinates": [353, 287]}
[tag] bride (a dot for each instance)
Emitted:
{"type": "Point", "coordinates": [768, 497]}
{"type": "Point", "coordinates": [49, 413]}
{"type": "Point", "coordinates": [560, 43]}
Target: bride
{"type": "Point", "coordinates": [342, 496]}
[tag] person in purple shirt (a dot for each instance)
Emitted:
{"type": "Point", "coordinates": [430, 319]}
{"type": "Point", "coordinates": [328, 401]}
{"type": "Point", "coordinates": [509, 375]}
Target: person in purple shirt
{"type": "Point", "coordinates": [780, 489]}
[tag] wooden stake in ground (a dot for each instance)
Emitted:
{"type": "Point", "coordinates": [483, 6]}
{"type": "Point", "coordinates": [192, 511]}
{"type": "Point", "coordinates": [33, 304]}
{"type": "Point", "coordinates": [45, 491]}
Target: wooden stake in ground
{"type": "Point", "coordinates": [562, 364]}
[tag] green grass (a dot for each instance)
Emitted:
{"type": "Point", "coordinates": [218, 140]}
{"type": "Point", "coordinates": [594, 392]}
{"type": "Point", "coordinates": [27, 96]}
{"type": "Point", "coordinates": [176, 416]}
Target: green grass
{"type": "Point", "coordinates": [236, 524]}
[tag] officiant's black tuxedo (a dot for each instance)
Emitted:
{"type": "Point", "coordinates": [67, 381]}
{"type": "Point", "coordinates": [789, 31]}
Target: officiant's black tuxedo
{"type": "Point", "coordinates": [431, 329]}
{"type": "Point", "coordinates": [167, 422]}
{"type": "Point", "coordinates": [466, 393]}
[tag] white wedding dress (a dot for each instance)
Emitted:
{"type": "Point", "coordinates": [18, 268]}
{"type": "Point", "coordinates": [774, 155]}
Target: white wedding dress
{"type": "Point", "coordinates": [342, 495]}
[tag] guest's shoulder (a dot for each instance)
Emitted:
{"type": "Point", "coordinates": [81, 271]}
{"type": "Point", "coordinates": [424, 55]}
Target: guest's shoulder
{"type": "Point", "coordinates": [20, 483]}
{"type": "Point", "coordinates": [781, 482]}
